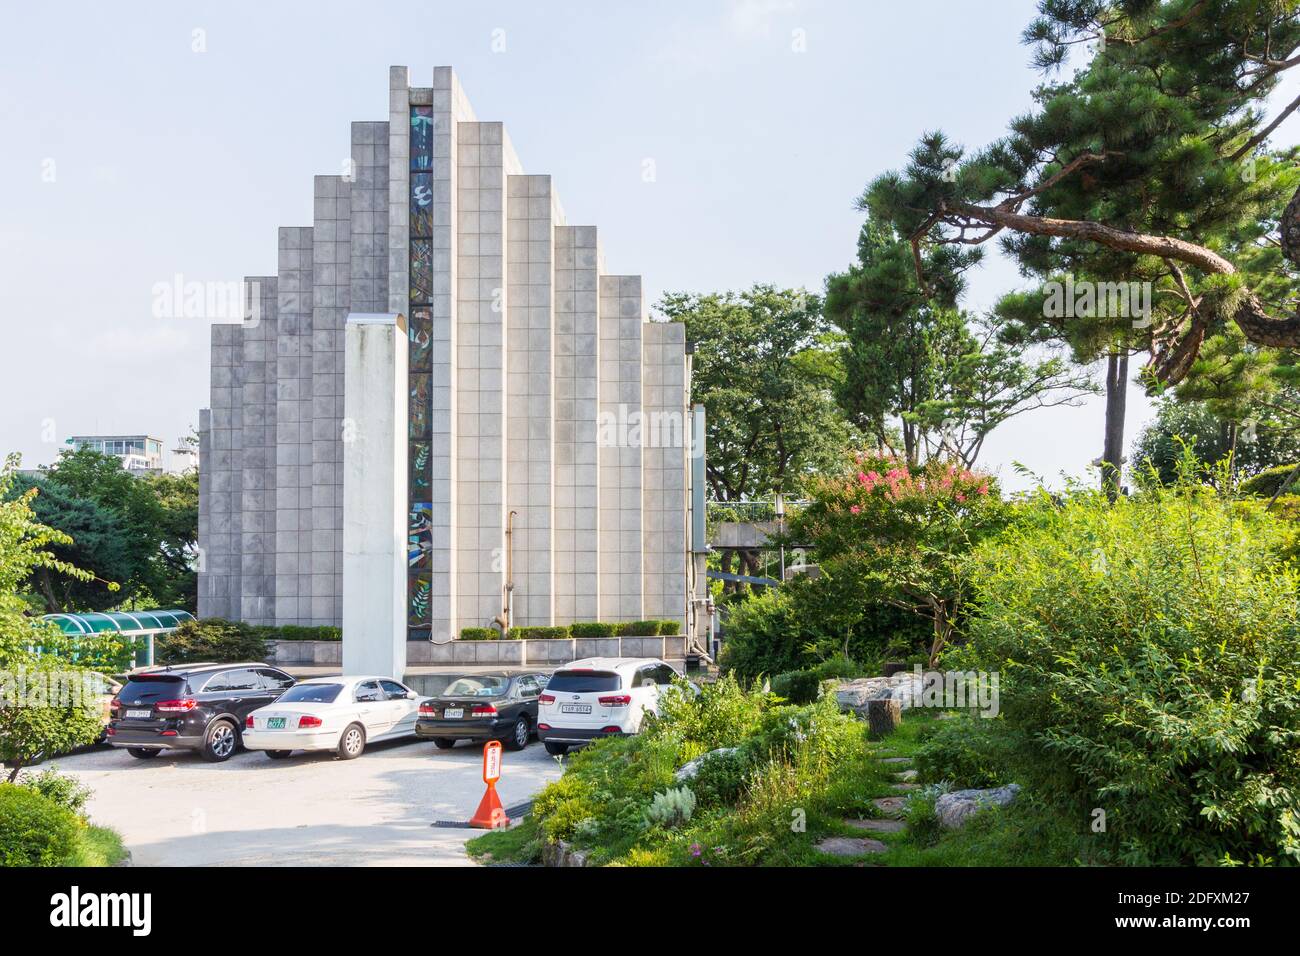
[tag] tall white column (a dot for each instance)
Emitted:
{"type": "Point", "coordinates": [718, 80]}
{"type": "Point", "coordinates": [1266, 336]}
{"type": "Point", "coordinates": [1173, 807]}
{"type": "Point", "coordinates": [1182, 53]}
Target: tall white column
{"type": "Point", "coordinates": [374, 495]}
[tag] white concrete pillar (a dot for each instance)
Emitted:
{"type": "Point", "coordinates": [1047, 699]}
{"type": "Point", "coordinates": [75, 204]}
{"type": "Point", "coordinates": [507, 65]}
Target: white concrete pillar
{"type": "Point", "coordinates": [374, 494]}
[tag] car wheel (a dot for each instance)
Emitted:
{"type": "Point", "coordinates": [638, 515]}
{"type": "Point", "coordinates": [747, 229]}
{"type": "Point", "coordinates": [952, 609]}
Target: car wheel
{"type": "Point", "coordinates": [518, 737]}
{"type": "Point", "coordinates": [278, 754]}
{"type": "Point", "coordinates": [220, 741]}
{"type": "Point", "coordinates": [556, 750]}
{"type": "Point", "coordinates": [443, 743]}
{"type": "Point", "coordinates": [143, 753]}
{"type": "Point", "coordinates": [352, 743]}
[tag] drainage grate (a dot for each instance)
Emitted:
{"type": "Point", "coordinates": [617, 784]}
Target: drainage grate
{"type": "Point", "coordinates": [514, 813]}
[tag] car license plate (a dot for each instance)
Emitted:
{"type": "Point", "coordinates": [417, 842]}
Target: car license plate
{"type": "Point", "coordinates": [575, 708]}
{"type": "Point", "coordinates": [454, 713]}
{"type": "Point", "coordinates": [139, 714]}
{"type": "Point", "coordinates": [275, 723]}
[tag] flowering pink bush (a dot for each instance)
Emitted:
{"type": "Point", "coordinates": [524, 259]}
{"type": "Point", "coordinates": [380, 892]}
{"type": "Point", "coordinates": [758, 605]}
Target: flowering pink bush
{"type": "Point", "coordinates": [905, 530]}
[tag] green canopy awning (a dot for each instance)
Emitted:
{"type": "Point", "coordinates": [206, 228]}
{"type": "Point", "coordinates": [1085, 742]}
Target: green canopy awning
{"type": "Point", "coordinates": [123, 622]}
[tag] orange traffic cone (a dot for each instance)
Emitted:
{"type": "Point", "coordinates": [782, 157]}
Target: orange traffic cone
{"type": "Point", "coordinates": [490, 814]}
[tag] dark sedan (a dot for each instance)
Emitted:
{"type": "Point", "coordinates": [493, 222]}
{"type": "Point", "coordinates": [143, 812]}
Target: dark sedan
{"type": "Point", "coordinates": [498, 705]}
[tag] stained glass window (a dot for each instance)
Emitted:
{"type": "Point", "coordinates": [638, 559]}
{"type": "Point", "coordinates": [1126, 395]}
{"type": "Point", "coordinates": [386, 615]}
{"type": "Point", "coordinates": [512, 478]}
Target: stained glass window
{"type": "Point", "coordinates": [421, 271]}
{"type": "Point", "coordinates": [421, 137]}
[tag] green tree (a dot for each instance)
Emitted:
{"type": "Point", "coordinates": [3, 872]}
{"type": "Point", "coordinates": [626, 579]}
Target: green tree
{"type": "Point", "coordinates": [44, 675]}
{"type": "Point", "coordinates": [905, 533]}
{"type": "Point", "coordinates": [1140, 167]}
{"type": "Point", "coordinates": [918, 368]}
{"type": "Point", "coordinates": [1257, 447]}
{"type": "Point", "coordinates": [97, 542]}
{"type": "Point", "coordinates": [765, 368]}
{"type": "Point", "coordinates": [174, 583]}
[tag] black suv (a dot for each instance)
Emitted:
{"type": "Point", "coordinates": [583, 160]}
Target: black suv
{"type": "Point", "coordinates": [191, 707]}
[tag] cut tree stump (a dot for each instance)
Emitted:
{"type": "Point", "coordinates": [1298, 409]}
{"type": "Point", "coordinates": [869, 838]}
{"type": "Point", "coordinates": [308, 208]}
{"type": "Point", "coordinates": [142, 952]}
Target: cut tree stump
{"type": "Point", "coordinates": [883, 717]}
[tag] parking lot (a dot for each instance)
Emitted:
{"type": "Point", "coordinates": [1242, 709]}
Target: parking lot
{"type": "Point", "coordinates": [178, 810]}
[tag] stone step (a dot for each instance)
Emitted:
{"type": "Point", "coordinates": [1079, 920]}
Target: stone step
{"type": "Point", "coordinates": [892, 806]}
{"type": "Point", "coordinates": [850, 846]}
{"type": "Point", "coordinates": [877, 826]}
{"type": "Point", "coordinates": [906, 775]}
{"type": "Point", "coordinates": [905, 787]}
{"type": "Point", "coordinates": [895, 759]}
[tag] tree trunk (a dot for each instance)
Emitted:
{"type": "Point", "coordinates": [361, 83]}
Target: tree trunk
{"type": "Point", "coordinates": [883, 717]}
{"type": "Point", "coordinates": [1112, 454]}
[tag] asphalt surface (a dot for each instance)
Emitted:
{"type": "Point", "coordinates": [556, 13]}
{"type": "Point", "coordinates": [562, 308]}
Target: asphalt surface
{"type": "Point", "coordinates": [311, 809]}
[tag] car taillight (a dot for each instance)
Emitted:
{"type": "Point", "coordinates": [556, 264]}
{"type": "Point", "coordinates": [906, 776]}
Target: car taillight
{"type": "Point", "coordinates": [111, 731]}
{"type": "Point", "coordinates": [616, 700]}
{"type": "Point", "coordinates": [611, 730]}
{"type": "Point", "coordinates": [248, 721]}
{"type": "Point", "coordinates": [483, 710]}
{"type": "Point", "coordinates": [427, 709]}
{"type": "Point", "coordinates": [114, 705]}
{"type": "Point", "coordinates": [181, 706]}
{"type": "Point", "coordinates": [308, 721]}
{"type": "Point", "coordinates": [546, 699]}
{"type": "Point", "coordinates": [543, 726]}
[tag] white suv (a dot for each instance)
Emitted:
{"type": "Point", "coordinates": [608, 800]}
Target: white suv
{"type": "Point", "coordinates": [599, 697]}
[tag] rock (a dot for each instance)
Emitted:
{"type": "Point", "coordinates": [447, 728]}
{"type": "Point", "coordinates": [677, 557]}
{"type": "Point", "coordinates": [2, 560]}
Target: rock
{"type": "Point", "coordinates": [889, 805]}
{"type": "Point", "coordinates": [953, 809]}
{"type": "Point", "coordinates": [850, 846]}
{"type": "Point", "coordinates": [689, 769]}
{"type": "Point", "coordinates": [878, 826]}
{"type": "Point", "coordinates": [904, 687]}
{"type": "Point", "coordinates": [562, 853]}
{"type": "Point", "coordinates": [883, 717]}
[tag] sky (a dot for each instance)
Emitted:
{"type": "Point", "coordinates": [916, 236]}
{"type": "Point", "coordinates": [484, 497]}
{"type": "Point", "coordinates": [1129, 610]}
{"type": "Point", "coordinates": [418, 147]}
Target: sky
{"type": "Point", "coordinates": [153, 140]}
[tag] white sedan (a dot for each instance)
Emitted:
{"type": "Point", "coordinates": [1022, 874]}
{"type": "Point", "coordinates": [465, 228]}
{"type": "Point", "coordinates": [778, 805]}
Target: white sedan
{"type": "Point", "coordinates": [342, 714]}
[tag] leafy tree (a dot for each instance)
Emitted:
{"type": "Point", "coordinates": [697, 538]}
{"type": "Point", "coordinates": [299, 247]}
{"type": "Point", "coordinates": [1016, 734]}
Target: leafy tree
{"type": "Point", "coordinates": [44, 675]}
{"type": "Point", "coordinates": [765, 369]}
{"type": "Point", "coordinates": [906, 532]}
{"type": "Point", "coordinates": [97, 542]}
{"type": "Point", "coordinates": [1253, 449]}
{"type": "Point", "coordinates": [174, 583]}
{"type": "Point", "coordinates": [919, 368]}
{"type": "Point", "coordinates": [1141, 167]}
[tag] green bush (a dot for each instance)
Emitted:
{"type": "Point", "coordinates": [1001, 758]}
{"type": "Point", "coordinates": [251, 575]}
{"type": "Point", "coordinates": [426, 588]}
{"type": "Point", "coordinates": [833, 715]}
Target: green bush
{"type": "Point", "coordinates": [965, 752]}
{"type": "Point", "coordinates": [720, 779]}
{"type": "Point", "coordinates": [538, 633]}
{"type": "Point", "coordinates": [591, 629]}
{"type": "Point", "coordinates": [788, 628]}
{"type": "Point", "coordinates": [798, 687]}
{"type": "Point", "coordinates": [1267, 482]}
{"type": "Point", "coordinates": [34, 830]}
{"type": "Point", "coordinates": [1149, 653]}
{"type": "Point", "coordinates": [667, 628]}
{"type": "Point", "coordinates": [211, 639]}
{"type": "Point", "coordinates": [479, 634]}
{"type": "Point", "coordinates": [66, 791]}
{"type": "Point", "coordinates": [299, 632]}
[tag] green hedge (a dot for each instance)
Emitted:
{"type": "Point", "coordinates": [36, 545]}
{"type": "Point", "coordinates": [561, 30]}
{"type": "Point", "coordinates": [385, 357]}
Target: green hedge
{"type": "Point", "coordinates": [585, 629]}
{"type": "Point", "coordinates": [297, 632]}
{"type": "Point", "coordinates": [592, 629]}
{"type": "Point", "coordinates": [538, 633]}
{"type": "Point", "coordinates": [211, 639]}
{"type": "Point", "coordinates": [1267, 482]}
{"type": "Point", "coordinates": [34, 830]}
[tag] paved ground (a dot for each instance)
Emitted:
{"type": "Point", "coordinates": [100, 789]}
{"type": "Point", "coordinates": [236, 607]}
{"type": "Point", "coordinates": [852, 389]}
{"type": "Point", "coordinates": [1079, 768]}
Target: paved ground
{"type": "Point", "coordinates": [310, 809]}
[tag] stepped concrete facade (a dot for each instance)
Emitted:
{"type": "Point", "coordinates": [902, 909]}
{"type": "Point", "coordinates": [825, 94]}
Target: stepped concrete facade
{"type": "Point", "coordinates": [548, 441]}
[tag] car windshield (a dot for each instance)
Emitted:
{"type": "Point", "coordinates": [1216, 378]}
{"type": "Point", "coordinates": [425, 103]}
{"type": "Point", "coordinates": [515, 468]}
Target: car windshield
{"type": "Point", "coordinates": [480, 686]}
{"type": "Point", "coordinates": [310, 694]}
{"type": "Point", "coordinates": [583, 682]}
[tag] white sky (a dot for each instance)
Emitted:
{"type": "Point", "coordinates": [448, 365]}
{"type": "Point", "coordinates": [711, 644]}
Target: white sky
{"type": "Point", "coordinates": [169, 162]}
